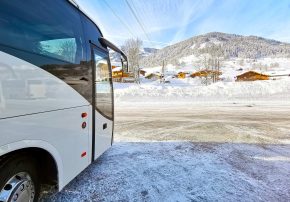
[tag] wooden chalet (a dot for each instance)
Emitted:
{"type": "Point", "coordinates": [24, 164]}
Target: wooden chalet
{"type": "Point", "coordinates": [252, 76]}
{"type": "Point", "coordinates": [205, 73]}
{"type": "Point", "coordinates": [142, 72]}
{"type": "Point", "coordinates": [154, 76]}
{"type": "Point", "coordinates": [118, 74]}
{"type": "Point", "coordinates": [181, 75]}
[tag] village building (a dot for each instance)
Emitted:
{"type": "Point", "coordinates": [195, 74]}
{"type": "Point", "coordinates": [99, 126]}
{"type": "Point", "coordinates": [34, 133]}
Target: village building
{"type": "Point", "coordinates": [252, 76]}
{"type": "Point", "coordinates": [142, 72]}
{"type": "Point", "coordinates": [181, 75]}
{"type": "Point", "coordinates": [118, 74]}
{"type": "Point", "coordinates": [205, 73]}
{"type": "Point", "coordinates": [153, 76]}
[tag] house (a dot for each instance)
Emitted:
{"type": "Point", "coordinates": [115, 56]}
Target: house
{"type": "Point", "coordinates": [142, 72]}
{"type": "Point", "coordinates": [118, 74]}
{"type": "Point", "coordinates": [153, 76]}
{"type": "Point", "coordinates": [252, 76]}
{"type": "Point", "coordinates": [205, 73]}
{"type": "Point", "coordinates": [181, 75]}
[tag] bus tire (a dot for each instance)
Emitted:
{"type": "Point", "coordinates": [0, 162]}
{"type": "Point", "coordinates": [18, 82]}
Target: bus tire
{"type": "Point", "coordinates": [19, 179]}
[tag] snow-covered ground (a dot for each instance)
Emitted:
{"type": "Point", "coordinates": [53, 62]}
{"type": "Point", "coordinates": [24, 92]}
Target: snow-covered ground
{"type": "Point", "coordinates": [187, 142]}
{"type": "Point", "coordinates": [183, 171]}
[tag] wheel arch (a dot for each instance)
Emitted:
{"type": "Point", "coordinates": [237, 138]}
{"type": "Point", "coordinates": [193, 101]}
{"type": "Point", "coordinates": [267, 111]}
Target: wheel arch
{"type": "Point", "coordinates": [45, 154]}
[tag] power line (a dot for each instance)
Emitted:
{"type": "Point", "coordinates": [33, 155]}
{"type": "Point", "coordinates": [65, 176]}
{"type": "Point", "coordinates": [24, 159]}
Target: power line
{"type": "Point", "coordinates": [138, 20]}
{"type": "Point", "coordinates": [137, 14]}
{"type": "Point", "coordinates": [142, 24]}
{"type": "Point", "coordinates": [120, 19]}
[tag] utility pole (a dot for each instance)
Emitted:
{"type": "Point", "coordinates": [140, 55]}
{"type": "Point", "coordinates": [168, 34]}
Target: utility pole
{"type": "Point", "coordinates": [214, 64]}
{"type": "Point", "coordinates": [163, 72]}
{"type": "Point", "coordinates": [212, 69]}
{"type": "Point", "coordinates": [137, 69]}
{"type": "Point", "coordinates": [218, 68]}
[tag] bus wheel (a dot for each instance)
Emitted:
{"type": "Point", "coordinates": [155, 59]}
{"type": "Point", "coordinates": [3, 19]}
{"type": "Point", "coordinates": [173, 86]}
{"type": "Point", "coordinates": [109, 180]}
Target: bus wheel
{"type": "Point", "coordinates": [19, 180]}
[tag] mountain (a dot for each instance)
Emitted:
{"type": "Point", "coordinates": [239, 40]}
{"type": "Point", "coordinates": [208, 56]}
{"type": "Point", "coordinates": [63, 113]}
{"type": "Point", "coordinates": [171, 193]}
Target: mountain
{"type": "Point", "coordinates": [145, 52]}
{"type": "Point", "coordinates": [221, 44]}
{"type": "Point", "coordinates": [149, 51]}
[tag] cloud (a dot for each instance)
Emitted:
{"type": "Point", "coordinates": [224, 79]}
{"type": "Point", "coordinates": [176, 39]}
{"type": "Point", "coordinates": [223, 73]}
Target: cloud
{"type": "Point", "coordinates": [157, 16]}
{"type": "Point", "coordinates": [170, 21]}
{"type": "Point", "coordinates": [193, 11]}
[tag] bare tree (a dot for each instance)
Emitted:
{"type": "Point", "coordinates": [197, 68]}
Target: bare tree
{"type": "Point", "coordinates": [211, 68]}
{"type": "Point", "coordinates": [206, 69]}
{"type": "Point", "coordinates": [216, 54]}
{"type": "Point", "coordinates": [68, 50]}
{"type": "Point", "coordinates": [132, 48]}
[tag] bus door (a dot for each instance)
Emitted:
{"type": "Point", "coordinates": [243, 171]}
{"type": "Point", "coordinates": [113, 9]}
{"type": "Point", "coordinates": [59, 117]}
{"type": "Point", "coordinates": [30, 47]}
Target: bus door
{"type": "Point", "coordinates": [104, 112]}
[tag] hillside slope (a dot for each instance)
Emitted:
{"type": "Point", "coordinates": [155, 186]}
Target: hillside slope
{"type": "Point", "coordinates": [228, 46]}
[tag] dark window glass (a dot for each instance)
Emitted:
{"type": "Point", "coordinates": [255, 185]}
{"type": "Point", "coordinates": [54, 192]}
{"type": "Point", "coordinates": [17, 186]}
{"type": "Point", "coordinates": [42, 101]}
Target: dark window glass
{"type": "Point", "coordinates": [91, 31]}
{"type": "Point", "coordinates": [104, 96]}
{"type": "Point", "coordinates": [47, 27]}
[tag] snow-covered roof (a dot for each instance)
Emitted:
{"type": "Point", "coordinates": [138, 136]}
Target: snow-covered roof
{"type": "Point", "coordinates": [117, 69]}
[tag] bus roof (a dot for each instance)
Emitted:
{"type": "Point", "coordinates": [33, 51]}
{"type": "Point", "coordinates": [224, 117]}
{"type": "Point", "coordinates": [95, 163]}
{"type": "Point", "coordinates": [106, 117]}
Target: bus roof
{"type": "Point", "coordinates": [75, 4]}
{"type": "Point", "coordinates": [101, 39]}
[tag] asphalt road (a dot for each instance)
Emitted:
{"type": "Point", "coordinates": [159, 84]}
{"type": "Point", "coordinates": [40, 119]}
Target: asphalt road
{"type": "Point", "coordinates": [260, 123]}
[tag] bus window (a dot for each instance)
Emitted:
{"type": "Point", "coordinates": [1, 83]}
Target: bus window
{"type": "Point", "coordinates": [64, 49]}
{"type": "Point", "coordinates": [104, 91]}
{"type": "Point", "coordinates": [53, 29]}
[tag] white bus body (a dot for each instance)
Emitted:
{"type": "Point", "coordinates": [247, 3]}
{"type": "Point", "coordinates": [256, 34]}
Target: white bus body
{"type": "Point", "coordinates": [56, 96]}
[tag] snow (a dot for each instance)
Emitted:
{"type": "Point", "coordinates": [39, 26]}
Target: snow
{"type": "Point", "coordinates": [203, 45]}
{"type": "Point", "coordinates": [182, 171]}
{"type": "Point", "coordinates": [189, 59]}
{"type": "Point", "coordinates": [117, 69]}
{"type": "Point", "coordinates": [169, 69]}
{"type": "Point", "coordinates": [191, 90]}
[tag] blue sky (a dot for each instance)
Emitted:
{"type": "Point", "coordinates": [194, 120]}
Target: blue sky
{"type": "Point", "coordinates": [169, 21]}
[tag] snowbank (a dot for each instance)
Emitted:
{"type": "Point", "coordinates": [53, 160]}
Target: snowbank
{"type": "Point", "coordinates": [185, 90]}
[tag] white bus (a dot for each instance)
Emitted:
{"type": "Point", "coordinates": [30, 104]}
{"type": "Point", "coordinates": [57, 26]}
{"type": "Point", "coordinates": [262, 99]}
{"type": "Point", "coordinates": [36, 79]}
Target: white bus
{"type": "Point", "coordinates": [56, 95]}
